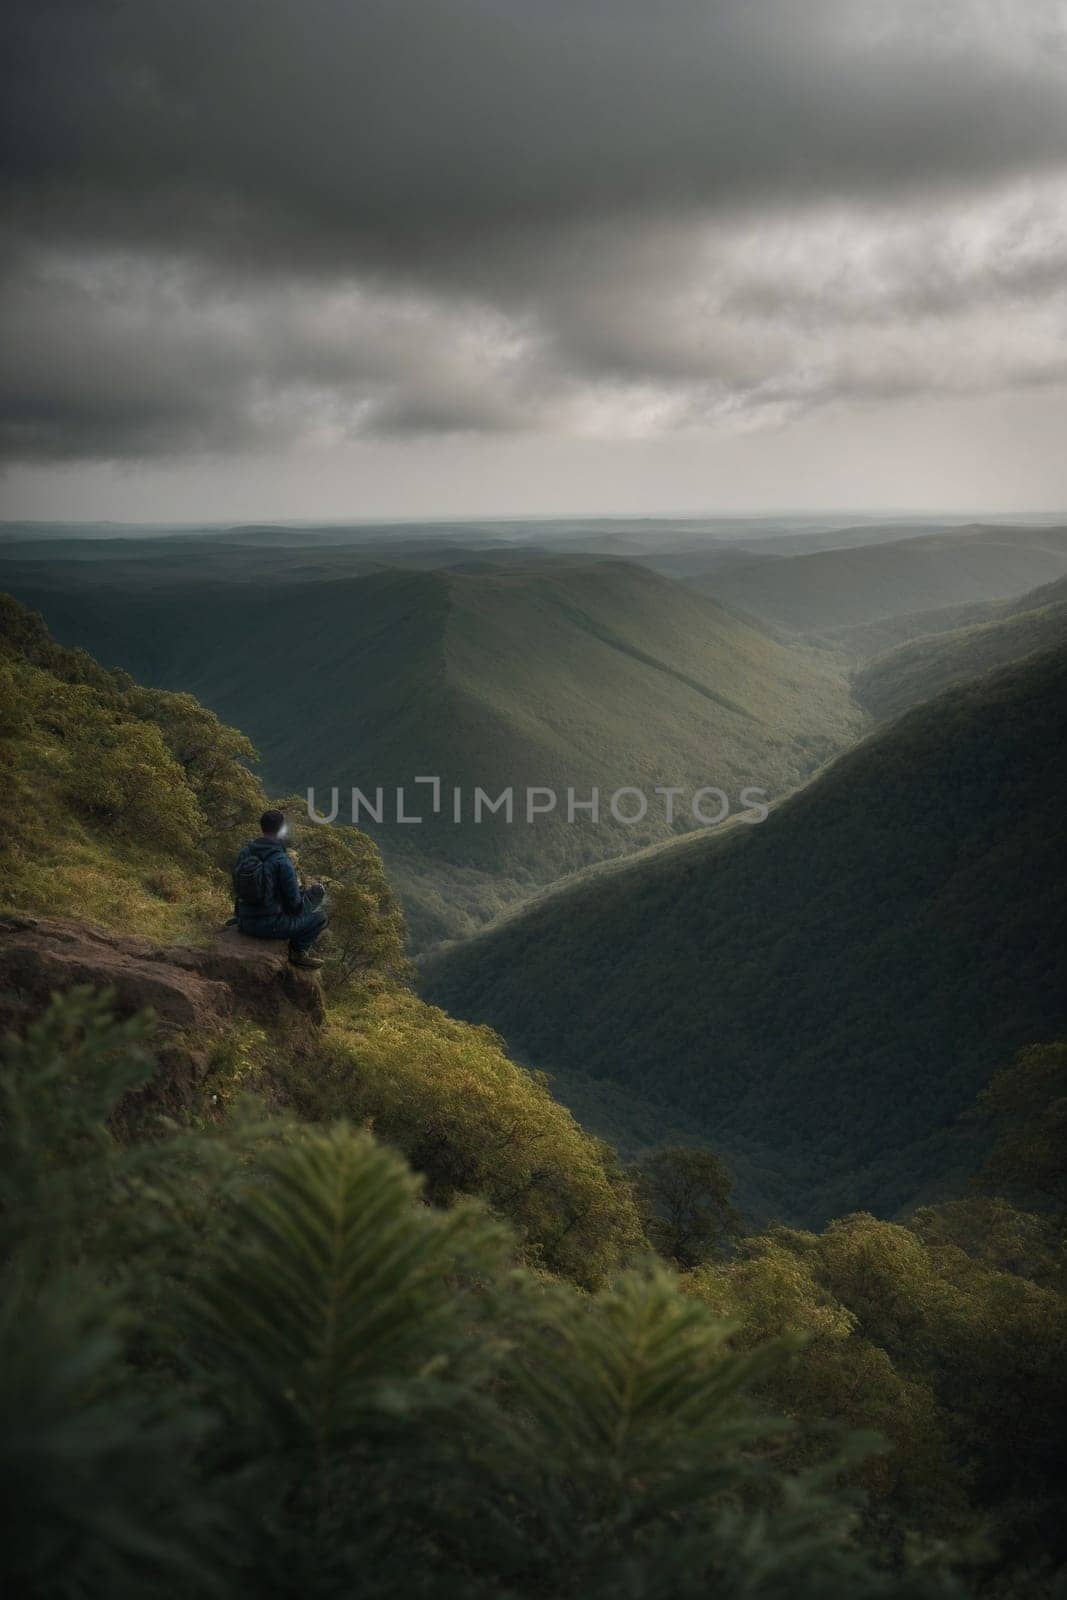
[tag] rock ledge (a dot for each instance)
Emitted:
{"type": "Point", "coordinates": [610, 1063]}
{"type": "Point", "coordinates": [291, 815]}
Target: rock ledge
{"type": "Point", "coordinates": [189, 988]}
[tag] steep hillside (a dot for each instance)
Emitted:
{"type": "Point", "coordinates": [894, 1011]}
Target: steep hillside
{"type": "Point", "coordinates": [825, 992]}
{"type": "Point", "coordinates": [831, 589]}
{"type": "Point", "coordinates": [901, 678]}
{"type": "Point", "coordinates": [122, 801]}
{"type": "Point", "coordinates": [125, 807]}
{"type": "Point", "coordinates": [564, 674]}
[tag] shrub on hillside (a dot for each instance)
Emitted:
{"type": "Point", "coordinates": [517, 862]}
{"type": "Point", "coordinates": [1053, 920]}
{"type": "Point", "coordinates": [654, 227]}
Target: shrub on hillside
{"type": "Point", "coordinates": [120, 775]}
{"type": "Point", "coordinates": [113, 786]}
{"type": "Point", "coordinates": [474, 1123]}
{"type": "Point", "coordinates": [213, 759]}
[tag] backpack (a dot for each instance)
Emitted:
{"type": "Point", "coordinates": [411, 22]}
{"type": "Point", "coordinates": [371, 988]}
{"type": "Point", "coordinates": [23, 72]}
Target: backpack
{"type": "Point", "coordinates": [251, 881]}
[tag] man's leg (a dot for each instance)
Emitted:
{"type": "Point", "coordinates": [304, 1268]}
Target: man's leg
{"type": "Point", "coordinates": [305, 929]}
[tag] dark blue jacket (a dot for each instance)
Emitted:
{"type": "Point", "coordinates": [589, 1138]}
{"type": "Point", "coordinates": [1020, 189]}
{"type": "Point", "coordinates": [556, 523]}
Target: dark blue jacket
{"type": "Point", "coordinates": [284, 896]}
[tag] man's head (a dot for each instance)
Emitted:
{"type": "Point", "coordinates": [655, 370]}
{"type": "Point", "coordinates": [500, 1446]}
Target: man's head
{"type": "Point", "coordinates": [274, 825]}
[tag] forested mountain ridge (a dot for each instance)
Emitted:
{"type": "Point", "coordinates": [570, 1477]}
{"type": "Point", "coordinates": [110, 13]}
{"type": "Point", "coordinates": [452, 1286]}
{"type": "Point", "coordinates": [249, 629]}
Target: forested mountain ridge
{"type": "Point", "coordinates": [828, 590]}
{"type": "Point", "coordinates": [863, 641]}
{"type": "Point", "coordinates": [563, 673]}
{"type": "Point", "coordinates": [825, 992]}
{"type": "Point", "coordinates": [901, 678]}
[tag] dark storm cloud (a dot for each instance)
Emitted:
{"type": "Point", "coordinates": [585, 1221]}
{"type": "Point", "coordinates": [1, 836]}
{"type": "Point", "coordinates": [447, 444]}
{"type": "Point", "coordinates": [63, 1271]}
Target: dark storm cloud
{"type": "Point", "coordinates": [315, 127]}
{"type": "Point", "coordinates": [253, 220]}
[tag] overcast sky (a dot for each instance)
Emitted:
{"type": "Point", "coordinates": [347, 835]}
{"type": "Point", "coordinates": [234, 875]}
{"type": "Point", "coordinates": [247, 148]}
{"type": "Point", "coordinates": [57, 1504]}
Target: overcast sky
{"type": "Point", "coordinates": [328, 258]}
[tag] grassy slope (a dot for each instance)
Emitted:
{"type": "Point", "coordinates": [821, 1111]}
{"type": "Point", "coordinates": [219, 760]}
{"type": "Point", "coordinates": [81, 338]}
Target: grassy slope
{"type": "Point", "coordinates": [575, 673]}
{"type": "Point", "coordinates": [826, 992]}
{"type": "Point", "coordinates": [840, 588]}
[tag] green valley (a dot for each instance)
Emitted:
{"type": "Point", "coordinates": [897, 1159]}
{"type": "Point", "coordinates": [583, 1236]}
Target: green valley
{"type": "Point", "coordinates": [825, 993]}
{"type": "Point", "coordinates": [566, 673]}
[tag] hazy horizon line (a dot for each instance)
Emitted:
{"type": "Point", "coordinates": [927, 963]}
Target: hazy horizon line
{"type": "Point", "coordinates": [797, 514]}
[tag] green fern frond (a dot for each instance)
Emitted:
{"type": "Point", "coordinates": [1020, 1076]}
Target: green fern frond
{"type": "Point", "coordinates": [336, 1292]}
{"type": "Point", "coordinates": [639, 1403]}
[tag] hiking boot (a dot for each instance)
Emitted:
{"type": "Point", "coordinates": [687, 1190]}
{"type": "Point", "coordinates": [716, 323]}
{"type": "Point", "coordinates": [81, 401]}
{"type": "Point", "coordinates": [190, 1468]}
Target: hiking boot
{"type": "Point", "coordinates": [305, 960]}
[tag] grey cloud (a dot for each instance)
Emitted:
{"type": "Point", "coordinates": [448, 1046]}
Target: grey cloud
{"type": "Point", "coordinates": [85, 374]}
{"type": "Point", "coordinates": [613, 331]}
{"type": "Point", "coordinates": [268, 223]}
{"type": "Point", "coordinates": [123, 358]}
{"type": "Point", "coordinates": [352, 133]}
{"type": "Point", "coordinates": [823, 300]}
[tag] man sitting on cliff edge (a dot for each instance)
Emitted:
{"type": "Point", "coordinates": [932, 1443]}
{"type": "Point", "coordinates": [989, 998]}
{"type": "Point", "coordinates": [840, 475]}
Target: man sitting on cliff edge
{"type": "Point", "coordinates": [269, 902]}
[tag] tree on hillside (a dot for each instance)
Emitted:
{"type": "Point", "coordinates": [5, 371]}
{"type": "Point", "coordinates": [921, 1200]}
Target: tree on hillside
{"type": "Point", "coordinates": [214, 760]}
{"type": "Point", "coordinates": [1028, 1101]}
{"type": "Point", "coordinates": [684, 1196]}
{"type": "Point", "coordinates": [956, 1362]}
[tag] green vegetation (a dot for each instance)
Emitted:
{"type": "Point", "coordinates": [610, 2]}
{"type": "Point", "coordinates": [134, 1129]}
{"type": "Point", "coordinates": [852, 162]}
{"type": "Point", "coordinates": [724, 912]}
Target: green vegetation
{"type": "Point", "coordinates": [955, 1361]}
{"type": "Point", "coordinates": [472, 1122]}
{"type": "Point", "coordinates": [252, 1362]}
{"type": "Point", "coordinates": [945, 1332]}
{"type": "Point", "coordinates": [128, 804]}
{"type": "Point", "coordinates": [1028, 1101]}
{"type": "Point", "coordinates": [823, 994]}
{"type": "Point", "coordinates": [563, 673]}
{"type": "Point", "coordinates": [124, 803]}
{"type": "Point", "coordinates": [684, 1196]}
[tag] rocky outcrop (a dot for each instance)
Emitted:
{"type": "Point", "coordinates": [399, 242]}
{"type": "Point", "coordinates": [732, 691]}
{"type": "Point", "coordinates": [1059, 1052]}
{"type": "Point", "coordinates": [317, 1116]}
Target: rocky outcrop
{"type": "Point", "coordinates": [257, 973]}
{"type": "Point", "coordinates": [192, 990]}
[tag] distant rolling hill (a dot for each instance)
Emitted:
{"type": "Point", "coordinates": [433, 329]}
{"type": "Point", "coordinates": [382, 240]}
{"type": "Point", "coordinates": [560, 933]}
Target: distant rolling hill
{"type": "Point", "coordinates": [552, 672]}
{"type": "Point", "coordinates": [742, 546]}
{"type": "Point", "coordinates": [836, 589]}
{"type": "Point", "coordinates": [903, 677]}
{"type": "Point", "coordinates": [863, 641]}
{"type": "Point", "coordinates": [242, 555]}
{"type": "Point", "coordinates": [826, 992]}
